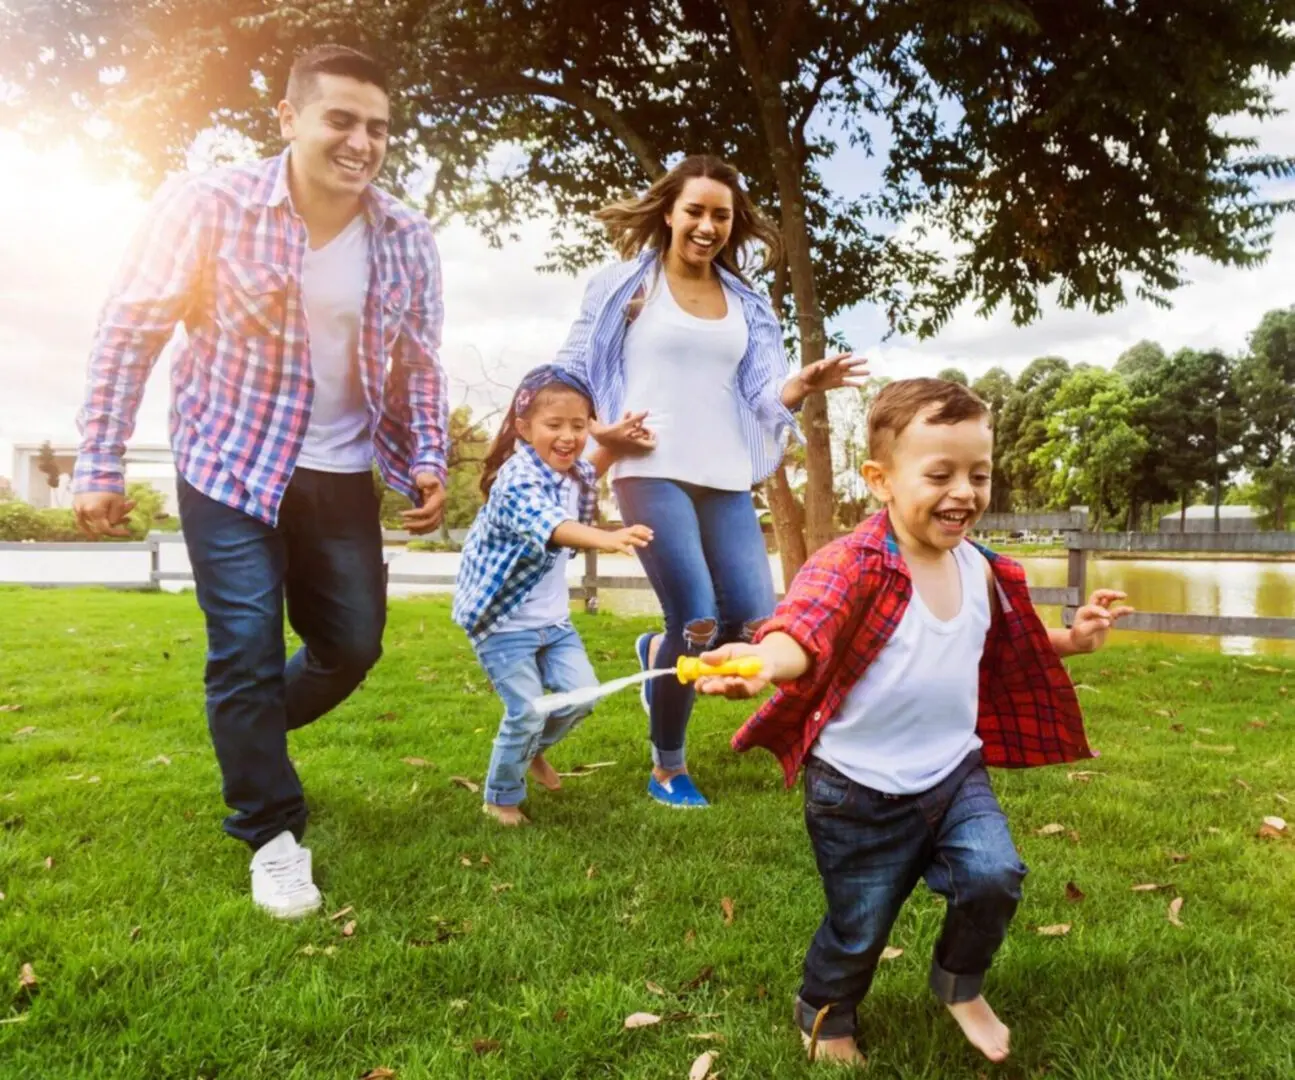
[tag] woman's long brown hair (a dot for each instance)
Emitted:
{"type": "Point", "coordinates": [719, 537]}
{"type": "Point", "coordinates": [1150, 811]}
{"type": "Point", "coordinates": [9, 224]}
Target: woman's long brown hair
{"type": "Point", "coordinates": [638, 222]}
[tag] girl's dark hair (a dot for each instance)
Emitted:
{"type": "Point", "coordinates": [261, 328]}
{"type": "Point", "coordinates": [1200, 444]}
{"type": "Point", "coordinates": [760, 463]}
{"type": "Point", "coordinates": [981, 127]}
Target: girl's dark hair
{"type": "Point", "coordinates": [523, 406]}
{"type": "Point", "coordinates": [638, 222]}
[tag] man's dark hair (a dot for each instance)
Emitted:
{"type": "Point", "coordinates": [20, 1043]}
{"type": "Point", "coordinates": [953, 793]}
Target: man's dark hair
{"type": "Point", "coordinates": [331, 60]}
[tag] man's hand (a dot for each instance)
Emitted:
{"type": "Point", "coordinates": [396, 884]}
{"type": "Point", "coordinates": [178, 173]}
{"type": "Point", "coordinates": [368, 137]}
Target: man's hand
{"type": "Point", "coordinates": [102, 513]}
{"type": "Point", "coordinates": [431, 497]}
{"type": "Point", "coordinates": [1094, 620]}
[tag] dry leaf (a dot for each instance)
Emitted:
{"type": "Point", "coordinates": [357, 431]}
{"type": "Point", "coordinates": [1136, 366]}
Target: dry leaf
{"type": "Point", "coordinates": [1175, 906]}
{"type": "Point", "coordinates": [485, 1046]}
{"type": "Point", "coordinates": [161, 759]}
{"type": "Point", "coordinates": [1281, 798]}
{"type": "Point", "coordinates": [1053, 829]}
{"type": "Point", "coordinates": [1276, 823]}
{"type": "Point", "coordinates": [1074, 836]}
{"type": "Point", "coordinates": [702, 977]}
{"type": "Point", "coordinates": [29, 729]}
{"type": "Point", "coordinates": [1, 896]}
{"type": "Point", "coordinates": [465, 861]}
{"type": "Point", "coordinates": [348, 910]}
{"type": "Point", "coordinates": [1082, 776]}
{"type": "Point", "coordinates": [135, 932]}
{"type": "Point", "coordinates": [1242, 784]}
{"type": "Point", "coordinates": [689, 937]}
{"type": "Point", "coordinates": [1267, 832]}
{"type": "Point", "coordinates": [349, 929]}
{"type": "Point", "coordinates": [503, 886]}
{"type": "Point", "coordinates": [380, 1073]}
{"type": "Point", "coordinates": [891, 953]}
{"type": "Point", "coordinates": [27, 978]}
{"type": "Point", "coordinates": [1149, 887]}
{"type": "Point", "coordinates": [465, 783]}
{"type": "Point", "coordinates": [417, 762]}
{"type": "Point", "coordinates": [93, 780]}
{"type": "Point", "coordinates": [560, 1017]}
{"type": "Point", "coordinates": [701, 1067]}
{"type": "Point", "coordinates": [49, 863]}
{"type": "Point", "coordinates": [708, 1036]}
{"type": "Point", "coordinates": [1178, 857]}
{"type": "Point", "coordinates": [1180, 728]}
{"type": "Point", "coordinates": [1205, 731]}
{"type": "Point", "coordinates": [596, 765]}
{"type": "Point", "coordinates": [1196, 745]}
{"type": "Point", "coordinates": [727, 905]}
{"type": "Point", "coordinates": [1073, 892]}
{"type": "Point", "coordinates": [1057, 930]}
{"type": "Point", "coordinates": [592, 871]}
{"type": "Point", "coordinates": [485, 860]}
{"type": "Point", "coordinates": [10, 708]}
{"type": "Point", "coordinates": [1256, 724]}
{"type": "Point", "coordinates": [641, 1019]}
{"type": "Point", "coordinates": [654, 988]}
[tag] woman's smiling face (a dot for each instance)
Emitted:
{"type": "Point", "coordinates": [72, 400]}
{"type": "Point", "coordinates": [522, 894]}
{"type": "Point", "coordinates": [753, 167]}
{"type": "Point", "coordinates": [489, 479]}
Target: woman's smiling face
{"type": "Point", "coordinates": [700, 221]}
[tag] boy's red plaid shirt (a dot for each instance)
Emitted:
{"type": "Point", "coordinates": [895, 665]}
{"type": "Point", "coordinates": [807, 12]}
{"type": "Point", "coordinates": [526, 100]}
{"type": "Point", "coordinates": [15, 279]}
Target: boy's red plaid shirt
{"type": "Point", "coordinates": [846, 603]}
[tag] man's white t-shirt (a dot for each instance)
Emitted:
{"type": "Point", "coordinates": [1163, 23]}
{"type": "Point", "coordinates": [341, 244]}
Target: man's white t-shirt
{"type": "Point", "coordinates": [334, 285]}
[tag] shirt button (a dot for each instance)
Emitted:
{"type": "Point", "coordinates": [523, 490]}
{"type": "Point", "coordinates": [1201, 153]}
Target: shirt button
{"type": "Point", "coordinates": [818, 716]}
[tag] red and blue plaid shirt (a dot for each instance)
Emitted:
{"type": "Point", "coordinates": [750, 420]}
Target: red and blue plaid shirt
{"type": "Point", "coordinates": [846, 603]}
{"type": "Point", "coordinates": [221, 252]}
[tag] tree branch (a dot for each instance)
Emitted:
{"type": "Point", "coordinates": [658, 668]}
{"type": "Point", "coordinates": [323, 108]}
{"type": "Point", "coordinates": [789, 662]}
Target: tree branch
{"type": "Point", "coordinates": [779, 61]}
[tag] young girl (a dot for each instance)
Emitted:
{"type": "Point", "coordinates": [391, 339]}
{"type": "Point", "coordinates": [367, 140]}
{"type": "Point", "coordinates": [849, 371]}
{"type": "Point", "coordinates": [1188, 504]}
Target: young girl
{"type": "Point", "coordinates": [511, 595]}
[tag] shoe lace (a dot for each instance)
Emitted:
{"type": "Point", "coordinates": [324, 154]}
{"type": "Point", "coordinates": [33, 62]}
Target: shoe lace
{"type": "Point", "coordinates": [288, 872]}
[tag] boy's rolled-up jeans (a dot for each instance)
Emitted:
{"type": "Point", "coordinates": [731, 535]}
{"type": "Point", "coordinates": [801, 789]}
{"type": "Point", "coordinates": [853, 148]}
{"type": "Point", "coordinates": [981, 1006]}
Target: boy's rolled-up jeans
{"type": "Point", "coordinates": [524, 665]}
{"type": "Point", "coordinates": [871, 850]}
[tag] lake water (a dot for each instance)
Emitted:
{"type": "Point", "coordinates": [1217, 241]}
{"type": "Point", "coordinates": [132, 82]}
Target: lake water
{"type": "Point", "coordinates": [1206, 588]}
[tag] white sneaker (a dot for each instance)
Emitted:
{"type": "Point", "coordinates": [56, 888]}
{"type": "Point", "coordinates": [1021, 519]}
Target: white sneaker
{"type": "Point", "coordinates": [281, 881]}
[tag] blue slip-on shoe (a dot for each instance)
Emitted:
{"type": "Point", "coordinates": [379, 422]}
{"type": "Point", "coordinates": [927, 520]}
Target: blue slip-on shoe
{"type": "Point", "coordinates": [642, 647]}
{"type": "Point", "coordinates": [678, 791]}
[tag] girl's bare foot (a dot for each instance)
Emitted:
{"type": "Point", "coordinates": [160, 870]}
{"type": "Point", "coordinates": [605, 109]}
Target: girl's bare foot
{"type": "Point", "coordinates": [506, 815]}
{"type": "Point", "coordinates": [839, 1051]}
{"type": "Point", "coordinates": [664, 776]}
{"type": "Point", "coordinates": [545, 774]}
{"type": "Point", "coordinates": [983, 1029]}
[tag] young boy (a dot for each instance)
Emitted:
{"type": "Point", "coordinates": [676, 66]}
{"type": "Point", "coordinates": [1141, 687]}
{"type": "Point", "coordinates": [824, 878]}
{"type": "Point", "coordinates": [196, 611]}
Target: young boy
{"type": "Point", "coordinates": [907, 660]}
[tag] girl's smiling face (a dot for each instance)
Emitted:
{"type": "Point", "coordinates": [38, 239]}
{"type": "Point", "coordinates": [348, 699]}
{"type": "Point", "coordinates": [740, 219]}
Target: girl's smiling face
{"type": "Point", "coordinates": [557, 426]}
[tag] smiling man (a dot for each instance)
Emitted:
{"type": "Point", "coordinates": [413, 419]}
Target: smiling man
{"type": "Point", "coordinates": [311, 303]}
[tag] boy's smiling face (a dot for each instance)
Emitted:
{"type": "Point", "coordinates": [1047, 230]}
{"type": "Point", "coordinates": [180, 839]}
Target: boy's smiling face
{"type": "Point", "coordinates": [935, 481]}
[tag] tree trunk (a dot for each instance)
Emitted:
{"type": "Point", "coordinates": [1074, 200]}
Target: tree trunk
{"type": "Point", "coordinates": [765, 80]}
{"type": "Point", "coordinates": [1182, 513]}
{"type": "Point", "coordinates": [788, 523]}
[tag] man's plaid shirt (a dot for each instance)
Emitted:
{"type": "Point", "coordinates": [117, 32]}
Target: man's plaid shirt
{"type": "Point", "coordinates": [508, 551]}
{"type": "Point", "coordinates": [221, 252]}
{"type": "Point", "coordinates": [846, 603]}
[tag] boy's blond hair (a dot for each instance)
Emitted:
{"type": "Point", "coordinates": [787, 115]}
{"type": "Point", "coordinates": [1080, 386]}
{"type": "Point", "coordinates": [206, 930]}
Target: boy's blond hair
{"type": "Point", "coordinates": [899, 403]}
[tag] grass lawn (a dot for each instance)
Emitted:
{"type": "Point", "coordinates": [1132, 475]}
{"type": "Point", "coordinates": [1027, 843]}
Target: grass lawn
{"type": "Point", "coordinates": [482, 953]}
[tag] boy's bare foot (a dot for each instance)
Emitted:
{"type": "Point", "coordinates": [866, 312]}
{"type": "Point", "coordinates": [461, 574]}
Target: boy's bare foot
{"type": "Point", "coordinates": [839, 1051]}
{"type": "Point", "coordinates": [545, 774]}
{"type": "Point", "coordinates": [506, 815]}
{"type": "Point", "coordinates": [983, 1029]}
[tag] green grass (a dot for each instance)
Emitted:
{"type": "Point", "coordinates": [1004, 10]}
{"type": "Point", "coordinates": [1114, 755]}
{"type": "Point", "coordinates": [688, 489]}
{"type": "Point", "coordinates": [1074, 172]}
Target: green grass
{"type": "Point", "coordinates": [152, 963]}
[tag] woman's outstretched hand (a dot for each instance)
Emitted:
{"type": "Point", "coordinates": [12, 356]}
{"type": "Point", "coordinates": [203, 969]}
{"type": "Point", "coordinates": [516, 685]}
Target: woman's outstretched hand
{"type": "Point", "coordinates": [628, 436]}
{"type": "Point", "coordinates": [830, 373]}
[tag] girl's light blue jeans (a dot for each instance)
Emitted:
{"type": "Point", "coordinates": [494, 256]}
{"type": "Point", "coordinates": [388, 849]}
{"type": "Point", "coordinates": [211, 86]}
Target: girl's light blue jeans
{"type": "Point", "coordinates": [524, 665]}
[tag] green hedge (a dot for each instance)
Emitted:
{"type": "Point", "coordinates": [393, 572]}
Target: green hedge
{"type": "Point", "coordinates": [20, 521]}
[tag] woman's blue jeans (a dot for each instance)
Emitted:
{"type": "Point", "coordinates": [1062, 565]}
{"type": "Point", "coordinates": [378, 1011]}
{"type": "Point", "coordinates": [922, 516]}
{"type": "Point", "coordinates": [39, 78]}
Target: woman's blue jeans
{"type": "Point", "coordinates": [709, 567]}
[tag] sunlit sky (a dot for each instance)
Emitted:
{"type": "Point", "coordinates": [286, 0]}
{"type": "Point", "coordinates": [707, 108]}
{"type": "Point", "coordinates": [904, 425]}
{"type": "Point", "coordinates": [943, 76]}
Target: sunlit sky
{"type": "Point", "coordinates": [65, 229]}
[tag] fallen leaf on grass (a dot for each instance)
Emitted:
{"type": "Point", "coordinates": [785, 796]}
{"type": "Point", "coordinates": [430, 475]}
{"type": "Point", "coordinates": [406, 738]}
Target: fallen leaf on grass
{"type": "Point", "coordinates": [380, 1073]}
{"type": "Point", "coordinates": [1281, 798]}
{"type": "Point", "coordinates": [1082, 776]}
{"type": "Point", "coordinates": [27, 980]}
{"type": "Point", "coordinates": [1175, 906]}
{"type": "Point", "coordinates": [1073, 834]}
{"type": "Point", "coordinates": [1179, 728]}
{"type": "Point", "coordinates": [465, 861]}
{"type": "Point", "coordinates": [560, 1017]}
{"type": "Point", "coordinates": [502, 887]}
{"type": "Point", "coordinates": [135, 931]}
{"type": "Point", "coordinates": [1272, 828]}
{"type": "Point", "coordinates": [349, 929]}
{"type": "Point", "coordinates": [641, 1019]}
{"type": "Point", "coordinates": [1085, 686]}
{"type": "Point", "coordinates": [655, 988]}
{"type": "Point", "coordinates": [116, 714]}
{"type": "Point", "coordinates": [702, 1066]}
{"type": "Point", "coordinates": [93, 780]}
{"type": "Point", "coordinates": [702, 977]}
{"type": "Point", "coordinates": [485, 1046]}
{"type": "Point", "coordinates": [1205, 731]}
{"type": "Point", "coordinates": [1056, 930]}
{"type": "Point", "coordinates": [1241, 784]}
{"type": "Point", "coordinates": [1256, 724]}
{"type": "Point", "coordinates": [465, 783]}
{"type": "Point", "coordinates": [708, 1036]}
{"type": "Point", "coordinates": [1197, 745]}
{"type": "Point", "coordinates": [1178, 857]}
{"type": "Point", "coordinates": [49, 863]}
{"type": "Point", "coordinates": [75, 777]}
{"type": "Point", "coordinates": [726, 905]}
{"type": "Point", "coordinates": [689, 937]}
{"type": "Point", "coordinates": [891, 953]}
{"type": "Point", "coordinates": [1148, 887]}
{"type": "Point", "coordinates": [348, 910]}
{"type": "Point", "coordinates": [10, 708]}
{"type": "Point", "coordinates": [28, 730]}
{"type": "Point", "coordinates": [161, 759]}
{"type": "Point", "coordinates": [1073, 892]}
{"type": "Point", "coordinates": [1054, 829]}
{"type": "Point", "coordinates": [418, 763]}
{"type": "Point", "coordinates": [592, 871]}
{"type": "Point", "coordinates": [1276, 823]}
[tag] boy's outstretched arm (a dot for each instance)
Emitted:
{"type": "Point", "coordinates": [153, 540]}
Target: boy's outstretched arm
{"type": "Point", "coordinates": [782, 658]}
{"type": "Point", "coordinates": [1092, 623]}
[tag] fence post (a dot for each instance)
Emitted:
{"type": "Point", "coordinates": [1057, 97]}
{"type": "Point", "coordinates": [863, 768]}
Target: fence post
{"type": "Point", "coordinates": [154, 561]}
{"type": "Point", "coordinates": [591, 581]}
{"type": "Point", "coordinates": [1076, 566]}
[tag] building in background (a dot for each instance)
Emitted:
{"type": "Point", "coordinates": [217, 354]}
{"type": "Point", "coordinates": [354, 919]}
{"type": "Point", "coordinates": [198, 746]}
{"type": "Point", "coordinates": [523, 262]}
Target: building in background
{"type": "Point", "coordinates": [1200, 519]}
{"type": "Point", "coordinates": [147, 463]}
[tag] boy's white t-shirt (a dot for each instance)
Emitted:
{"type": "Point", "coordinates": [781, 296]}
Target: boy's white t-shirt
{"type": "Point", "coordinates": [549, 603]}
{"type": "Point", "coordinates": [683, 370]}
{"type": "Point", "coordinates": [334, 285]}
{"type": "Point", "coordinates": [908, 722]}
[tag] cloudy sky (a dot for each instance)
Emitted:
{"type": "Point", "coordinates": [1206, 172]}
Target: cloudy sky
{"type": "Point", "coordinates": [65, 230]}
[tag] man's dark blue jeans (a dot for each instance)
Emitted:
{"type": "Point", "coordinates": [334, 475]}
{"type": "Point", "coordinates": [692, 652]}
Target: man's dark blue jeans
{"type": "Point", "coordinates": [324, 559]}
{"type": "Point", "coordinates": [871, 850]}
